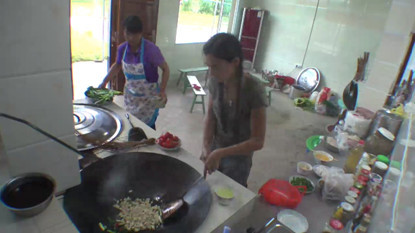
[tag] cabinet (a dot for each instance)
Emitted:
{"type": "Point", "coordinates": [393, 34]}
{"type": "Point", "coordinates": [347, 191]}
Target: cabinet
{"type": "Point", "coordinates": [250, 32]}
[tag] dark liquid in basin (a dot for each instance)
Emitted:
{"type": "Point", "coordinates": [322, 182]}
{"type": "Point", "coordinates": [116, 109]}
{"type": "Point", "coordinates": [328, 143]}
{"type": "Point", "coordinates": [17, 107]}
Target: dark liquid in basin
{"type": "Point", "coordinates": [28, 194]}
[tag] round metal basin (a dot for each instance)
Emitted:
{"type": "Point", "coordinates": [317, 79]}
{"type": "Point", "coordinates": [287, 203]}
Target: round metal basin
{"type": "Point", "coordinates": [95, 126]}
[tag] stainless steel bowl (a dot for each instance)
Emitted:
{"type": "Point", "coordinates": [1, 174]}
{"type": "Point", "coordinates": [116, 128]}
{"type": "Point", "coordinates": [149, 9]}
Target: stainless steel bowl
{"type": "Point", "coordinates": [28, 194]}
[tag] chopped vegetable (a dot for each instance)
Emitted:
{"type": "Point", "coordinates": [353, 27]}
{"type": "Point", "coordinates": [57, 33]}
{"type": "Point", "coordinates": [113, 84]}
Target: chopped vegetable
{"type": "Point", "coordinates": [301, 181]}
{"type": "Point", "coordinates": [139, 214]}
{"type": "Point", "coordinates": [101, 95]}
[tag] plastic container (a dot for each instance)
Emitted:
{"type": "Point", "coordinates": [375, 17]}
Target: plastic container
{"type": "Point", "coordinates": [383, 159]}
{"type": "Point", "coordinates": [380, 143]}
{"type": "Point", "coordinates": [333, 226]}
{"type": "Point", "coordinates": [281, 193]}
{"type": "Point", "coordinates": [364, 161]}
{"type": "Point", "coordinates": [380, 168]}
{"type": "Point", "coordinates": [296, 91]}
{"type": "Point", "coordinates": [354, 157]}
{"type": "Point", "coordinates": [322, 157]}
{"type": "Point", "coordinates": [304, 168]}
{"type": "Point", "coordinates": [395, 164]}
{"type": "Point", "coordinates": [225, 195]}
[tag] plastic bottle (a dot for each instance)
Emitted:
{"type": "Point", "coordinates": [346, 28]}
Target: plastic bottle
{"type": "Point", "coordinates": [354, 157]}
{"type": "Point", "coordinates": [363, 161]}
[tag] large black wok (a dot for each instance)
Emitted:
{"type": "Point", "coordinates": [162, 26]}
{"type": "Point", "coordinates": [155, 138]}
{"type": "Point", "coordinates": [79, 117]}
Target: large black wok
{"type": "Point", "coordinates": [137, 175]}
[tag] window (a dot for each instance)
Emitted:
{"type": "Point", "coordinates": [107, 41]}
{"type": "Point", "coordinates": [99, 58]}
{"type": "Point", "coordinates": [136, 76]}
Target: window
{"type": "Point", "coordinates": [201, 19]}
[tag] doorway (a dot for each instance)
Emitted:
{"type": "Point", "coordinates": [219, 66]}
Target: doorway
{"type": "Point", "coordinates": [96, 32]}
{"type": "Point", "coordinates": [90, 27]}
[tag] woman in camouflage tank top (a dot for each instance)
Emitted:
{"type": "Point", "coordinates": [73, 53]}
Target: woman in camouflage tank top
{"type": "Point", "coordinates": [234, 126]}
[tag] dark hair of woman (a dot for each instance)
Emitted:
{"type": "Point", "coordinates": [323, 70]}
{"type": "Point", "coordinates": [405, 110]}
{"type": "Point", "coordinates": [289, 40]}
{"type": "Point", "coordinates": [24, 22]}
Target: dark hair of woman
{"type": "Point", "coordinates": [227, 47]}
{"type": "Point", "coordinates": [133, 24]}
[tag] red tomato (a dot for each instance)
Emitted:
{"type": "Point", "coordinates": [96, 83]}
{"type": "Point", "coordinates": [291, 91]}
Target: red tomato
{"type": "Point", "coordinates": [168, 135]}
{"type": "Point", "coordinates": [169, 144]}
{"type": "Point", "coordinates": [175, 138]}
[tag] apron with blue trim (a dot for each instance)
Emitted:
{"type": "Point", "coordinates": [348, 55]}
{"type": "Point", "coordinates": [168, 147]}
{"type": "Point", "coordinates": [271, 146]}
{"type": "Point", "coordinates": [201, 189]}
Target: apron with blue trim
{"type": "Point", "coordinates": [139, 94]}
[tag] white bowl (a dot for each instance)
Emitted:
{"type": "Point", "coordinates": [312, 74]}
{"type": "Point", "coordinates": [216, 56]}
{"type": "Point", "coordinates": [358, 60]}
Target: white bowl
{"type": "Point", "coordinates": [225, 195]}
{"type": "Point", "coordinates": [305, 178]}
{"type": "Point", "coordinates": [169, 149]}
{"type": "Point", "coordinates": [293, 220]}
{"type": "Point", "coordinates": [318, 153]}
{"type": "Point", "coordinates": [304, 168]}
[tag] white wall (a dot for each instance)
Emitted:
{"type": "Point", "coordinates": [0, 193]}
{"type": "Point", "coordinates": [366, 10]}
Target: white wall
{"type": "Point", "coordinates": [35, 84]}
{"type": "Point", "coordinates": [342, 31]}
{"type": "Point", "coordinates": [176, 55]}
{"type": "Point", "coordinates": [285, 32]}
{"type": "Point", "coordinates": [181, 55]}
{"type": "Point", "coordinates": [393, 46]}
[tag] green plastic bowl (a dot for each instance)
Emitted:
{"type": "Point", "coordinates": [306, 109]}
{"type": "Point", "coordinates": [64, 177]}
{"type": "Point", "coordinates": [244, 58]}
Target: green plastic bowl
{"type": "Point", "coordinates": [313, 141]}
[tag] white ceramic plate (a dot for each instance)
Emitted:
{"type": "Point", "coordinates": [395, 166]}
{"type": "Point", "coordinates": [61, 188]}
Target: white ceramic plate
{"type": "Point", "coordinates": [293, 220]}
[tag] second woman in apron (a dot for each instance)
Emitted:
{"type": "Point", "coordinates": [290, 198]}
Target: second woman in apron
{"type": "Point", "coordinates": [139, 59]}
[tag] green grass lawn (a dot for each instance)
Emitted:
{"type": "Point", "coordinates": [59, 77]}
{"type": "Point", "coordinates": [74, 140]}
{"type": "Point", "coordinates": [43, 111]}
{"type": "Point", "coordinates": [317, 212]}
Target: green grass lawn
{"type": "Point", "coordinates": [84, 46]}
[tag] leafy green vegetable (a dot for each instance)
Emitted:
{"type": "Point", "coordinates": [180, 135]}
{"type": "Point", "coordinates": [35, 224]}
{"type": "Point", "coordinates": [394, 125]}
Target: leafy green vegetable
{"type": "Point", "coordinates": [300, 181]}
{"type": "Point", "coordinates": [101, 95]}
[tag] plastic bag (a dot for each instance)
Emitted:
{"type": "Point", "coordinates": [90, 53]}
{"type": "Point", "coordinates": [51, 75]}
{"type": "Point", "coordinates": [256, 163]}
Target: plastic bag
{"type": "Point", "coordinates": [336, 184]}
{"type": "Point", "coordinates": [281, 193]}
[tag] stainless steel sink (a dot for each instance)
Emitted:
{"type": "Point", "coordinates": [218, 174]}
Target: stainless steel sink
{"type": "Point", "coordinates": [274, 226]}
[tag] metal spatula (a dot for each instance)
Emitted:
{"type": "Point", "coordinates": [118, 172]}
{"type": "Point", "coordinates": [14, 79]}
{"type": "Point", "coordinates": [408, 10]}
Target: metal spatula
{"type": "Point", "coordinates": [135, 133]}
{"type": "Point", "coordinates": [193, 194]}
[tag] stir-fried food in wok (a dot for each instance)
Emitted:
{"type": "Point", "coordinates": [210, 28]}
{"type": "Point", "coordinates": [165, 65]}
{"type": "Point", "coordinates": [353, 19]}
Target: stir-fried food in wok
{"type": "Point", "coordinates": [136, 215]}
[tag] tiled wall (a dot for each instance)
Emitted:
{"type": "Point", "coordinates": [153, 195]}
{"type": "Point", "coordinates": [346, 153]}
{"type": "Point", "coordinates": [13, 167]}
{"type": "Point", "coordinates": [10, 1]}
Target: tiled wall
{"type": "Point", "coordinates": [342, 31]}
{"type": "Point", "coordinates": [35, 84]}
{"type": "Point", "coordinates": [285, 32]}
{"type": "Point", "coordinates": [393, 46]}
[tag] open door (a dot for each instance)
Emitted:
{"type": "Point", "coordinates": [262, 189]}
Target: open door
{"type": "Point", "coordinates": [147, 10]}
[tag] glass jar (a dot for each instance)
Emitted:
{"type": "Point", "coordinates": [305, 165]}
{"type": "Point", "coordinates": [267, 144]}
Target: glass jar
{"type": "Point", "coordinates": [380, 168]}
{"type": "Point", "coordinates": [380, 143]}
{"type": "Point", "coordinates": [351, 200]}
{"type": "Point", "coordinates": [333, 226]}
{"type": "Point", "coordinates": [348, 212]}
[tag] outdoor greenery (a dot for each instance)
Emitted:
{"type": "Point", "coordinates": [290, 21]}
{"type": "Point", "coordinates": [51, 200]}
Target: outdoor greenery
{"type": "Point", "coordinates": [87, 47]}
{"type": "Point", "coordinates": [84, 46]}
{"type": "Point", "coordinates": [187, 5]}
{"type": "Point", "coordinates": [208, 7]}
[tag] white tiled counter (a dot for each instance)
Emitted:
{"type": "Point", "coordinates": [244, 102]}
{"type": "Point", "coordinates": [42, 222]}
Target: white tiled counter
{"type": "Point", "coordinates": [54, 219]}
